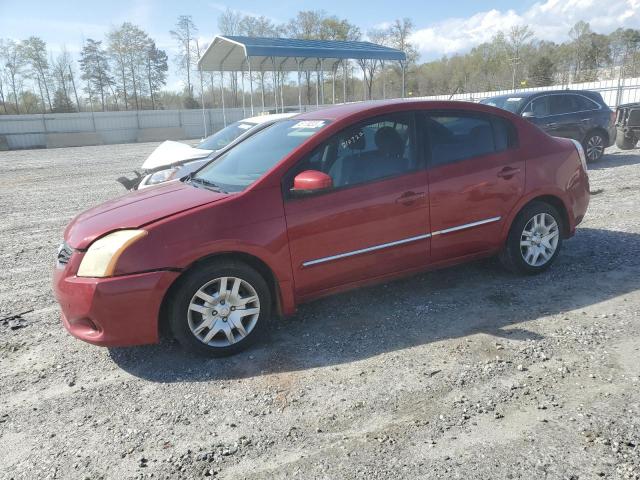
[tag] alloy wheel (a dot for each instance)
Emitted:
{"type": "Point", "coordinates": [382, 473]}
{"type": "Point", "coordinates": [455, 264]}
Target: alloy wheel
{"type": "Point", "coordinates": [223, 311]}
{"type": "Point", "coordinates": [539, 239]}
{"type": "Point", "coordinates": [595, 147]}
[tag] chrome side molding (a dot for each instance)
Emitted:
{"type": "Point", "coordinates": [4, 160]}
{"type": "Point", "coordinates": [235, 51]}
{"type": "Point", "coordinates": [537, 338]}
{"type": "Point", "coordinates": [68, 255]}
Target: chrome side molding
{"type": "Point", "coordinates": [309, 263]}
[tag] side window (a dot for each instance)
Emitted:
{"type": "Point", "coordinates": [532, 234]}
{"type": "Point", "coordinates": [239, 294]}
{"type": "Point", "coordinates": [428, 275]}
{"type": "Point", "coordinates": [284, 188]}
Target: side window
{"type": "Point", "coordinates": [584, 104]}
{"type": "Point", "coordinates": [504, 134]}
{"type": "Point", "coordinates": [539, 107]}
{"type": "Point", "coordinates": [560, 104]}
{"type": "Point", "coordinates": [372, 150]}
{"type": "Point", "coordinates": [459, 136]}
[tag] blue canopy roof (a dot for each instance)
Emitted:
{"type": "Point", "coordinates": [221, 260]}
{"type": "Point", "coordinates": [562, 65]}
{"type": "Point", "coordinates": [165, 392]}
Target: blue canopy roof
{"type": "Point", "coordinates": [234, 53]}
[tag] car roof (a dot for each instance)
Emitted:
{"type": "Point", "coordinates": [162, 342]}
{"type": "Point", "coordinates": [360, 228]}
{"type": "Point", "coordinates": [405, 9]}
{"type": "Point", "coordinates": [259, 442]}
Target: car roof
{"type": "Point", "coordinates": [588, 93]}
{"type": "Point", "coordinates": [346, 110]}
{"type": "Point", "coordinates": [258, 119]}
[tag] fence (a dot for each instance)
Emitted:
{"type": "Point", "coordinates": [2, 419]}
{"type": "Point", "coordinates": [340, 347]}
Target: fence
{"type": "Point", "coordinates": [614, 92]}
{"type": "Point", "coordinates": [37, 131]}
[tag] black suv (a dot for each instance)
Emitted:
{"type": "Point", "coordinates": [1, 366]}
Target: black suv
{"type": "Point", "coordinates": [628, 124]}
{"type": "Point", "coordinates": [578, 114]}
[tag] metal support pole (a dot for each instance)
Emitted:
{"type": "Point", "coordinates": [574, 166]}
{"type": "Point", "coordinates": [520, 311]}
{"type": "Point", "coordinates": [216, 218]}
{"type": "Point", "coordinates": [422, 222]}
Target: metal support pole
{"type": "Point", "coordinates": [384, 91]}
{"type": "Point", "coordinates": [364, 83]}
{"type": "Point", "coordinates": [275, 84]}
{"type": "Point", "coordinates": [322, 81]}
{"type": "Point", "coordinates": [403, 87]}
{"type": "Point", "coordinates": [204, 118]}
{"type": "Point", "coordinates": [250, 83]}
{"type": "Point", "coordinates": [244, 114]}
{"type": "Point", "coordinates": [317, 86]}
{"type": "Point", "coordinates": [224, 113]}
{"type": "Point", "coordinates": [281, 80]}
{"type": "Point", "coordinates": [299, 87]}
{"type": "Point", "coordinates": [262, 88]}
{"type": "Point", "coordinates": [344, 81]}
{"type": "Point", "coordinates": [213, 95]}
{"type": "Point", "coordinates": [334, 69]}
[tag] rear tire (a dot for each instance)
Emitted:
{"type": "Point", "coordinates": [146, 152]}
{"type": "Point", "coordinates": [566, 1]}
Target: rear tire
{"type": "Point", "coordinates": [594, 145]}
{"type": "Point", "coordinates": [625, 143]}
{"type": "Point", "coordinates": [220, 308]}
{"type": "Point", "coordinates": [534, 239]}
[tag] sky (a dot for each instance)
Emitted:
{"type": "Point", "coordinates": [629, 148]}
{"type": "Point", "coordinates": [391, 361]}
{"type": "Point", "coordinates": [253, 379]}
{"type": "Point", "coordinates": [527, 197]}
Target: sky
{"type": "Point", "coordinates": [441, 27]}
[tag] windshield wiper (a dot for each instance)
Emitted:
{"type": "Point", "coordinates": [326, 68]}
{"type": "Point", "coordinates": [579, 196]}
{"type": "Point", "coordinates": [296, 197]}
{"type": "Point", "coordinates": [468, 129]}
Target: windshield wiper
{"type": "Point", "coordinates": [205, 183]}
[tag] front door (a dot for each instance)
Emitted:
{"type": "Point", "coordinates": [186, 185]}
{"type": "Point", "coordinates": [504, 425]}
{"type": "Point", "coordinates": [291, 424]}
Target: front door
{"type": "Point", "coordinates": [475, 178]}
{"type": "Point", "coordinates": [375, 219]}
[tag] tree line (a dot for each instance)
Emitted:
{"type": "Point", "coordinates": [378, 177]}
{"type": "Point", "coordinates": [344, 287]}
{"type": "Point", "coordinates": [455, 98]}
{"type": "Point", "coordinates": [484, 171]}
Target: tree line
{"type": "Point", "coordinates": [127, 71]}
{"type": "Point", "coordinates": [516, 59]}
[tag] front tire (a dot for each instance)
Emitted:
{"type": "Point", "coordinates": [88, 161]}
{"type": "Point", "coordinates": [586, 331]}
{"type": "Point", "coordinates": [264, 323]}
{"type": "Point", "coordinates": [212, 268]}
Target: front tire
{"type": "Point", "coordinates": [594, 145]}
{"type": "Point", "coordinates": [534, 240]}
{"type": "Point", "coordinates": [220, 308]}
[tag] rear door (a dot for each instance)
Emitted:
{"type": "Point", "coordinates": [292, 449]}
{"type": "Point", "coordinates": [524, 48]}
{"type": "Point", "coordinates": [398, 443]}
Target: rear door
{"type": "Point", "coordinates": [375, 219]}
{"type": "Point", "coordinates": [475, 179]}
{"type": "Point", "coordinates": [565, 116]}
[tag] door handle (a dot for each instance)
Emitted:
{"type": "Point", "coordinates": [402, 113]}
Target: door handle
{"type": "Point", "coordinates": [508, 172]}
{"type": "Point", "coordinates": [409, 198]}
{"type": "Point", "coordinates": [552, 125]}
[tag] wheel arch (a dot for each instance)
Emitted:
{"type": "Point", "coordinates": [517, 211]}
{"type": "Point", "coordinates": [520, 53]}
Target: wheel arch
{"type": "Point", "coordinates": [601, 130]}
{"type": "Point", "coordinates": [251, 260]}
{"type": "Point", "coordinates": [551, 199]}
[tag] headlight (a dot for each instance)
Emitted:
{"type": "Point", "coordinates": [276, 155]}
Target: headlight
{"type": "Point", "coordinates": [161, 176]}
{"type": "Point", "coordinates": [102, 256]}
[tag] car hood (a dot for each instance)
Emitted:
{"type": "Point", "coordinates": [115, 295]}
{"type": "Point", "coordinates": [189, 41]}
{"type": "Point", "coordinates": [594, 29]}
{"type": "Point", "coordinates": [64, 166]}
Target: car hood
{"type": "Point", "coordinates": [135, 210]}
{"type": "Point", "coordinates": [170, 153]}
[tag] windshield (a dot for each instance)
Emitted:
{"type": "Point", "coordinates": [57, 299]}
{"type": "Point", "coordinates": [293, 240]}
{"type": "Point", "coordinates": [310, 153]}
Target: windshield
{"type": "Point", "coordinates": [247, 161]}
{"type": "Point", "coordinates": [225, 136]}
{"type": "Point", "coordinates": [511, 104]}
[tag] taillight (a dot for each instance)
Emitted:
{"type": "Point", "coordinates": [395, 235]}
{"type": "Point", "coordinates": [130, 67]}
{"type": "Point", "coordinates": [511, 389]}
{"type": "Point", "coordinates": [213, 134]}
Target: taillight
{"type": "Point", "coordinates": [583, 158]}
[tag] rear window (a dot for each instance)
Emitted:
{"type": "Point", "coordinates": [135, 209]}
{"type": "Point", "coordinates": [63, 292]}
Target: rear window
{"type": "Point", "coordinates": [511, 104]}
{"type": "Point", "coordinates": [459, 136]}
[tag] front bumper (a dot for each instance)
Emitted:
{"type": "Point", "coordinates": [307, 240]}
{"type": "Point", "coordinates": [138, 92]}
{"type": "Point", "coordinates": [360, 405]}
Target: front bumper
{"type": "Point", "coordinates": [112, 312]}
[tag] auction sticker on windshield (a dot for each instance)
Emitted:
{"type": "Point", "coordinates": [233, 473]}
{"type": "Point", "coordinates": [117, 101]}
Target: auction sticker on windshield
{"type": "Point", "coordinates": [309, 124]}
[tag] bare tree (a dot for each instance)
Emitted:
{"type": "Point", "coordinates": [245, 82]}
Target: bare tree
{"type": "Point", "coordinates": [369, 66]}
{"type": "Point", "coordinates": [61, 68]}
{"type": "Point", "coordinates": [13, 61]}
{"type": "Point", "coordinates": [95, 69]}
{"type": "Point", "coordinates": [230, 23]}
{"type": "Point", "coordinates": [35, 54]}
{"type": "Point", "coordinates": [156, 71]}
{"type": "Point", "coordinates": [518, 37]}
{"type": "Point", "coordinates": [2, 97]}
{"type": "Point", "coordinates": [184, 33]}
{"type": "Point", "coordinates": [128, 46]}
{"type": "Point", "coordinates": [117, 48]}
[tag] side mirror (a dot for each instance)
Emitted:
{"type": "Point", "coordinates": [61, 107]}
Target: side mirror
{"type": "Point", "coordinates": [311, 181]}
{"type": "Point", "coordinates": [528, 115]}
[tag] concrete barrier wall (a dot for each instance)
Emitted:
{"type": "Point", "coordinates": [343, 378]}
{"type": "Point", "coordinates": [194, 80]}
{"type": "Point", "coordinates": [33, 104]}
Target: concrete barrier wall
{"type": "Point", "coordinates": [86, 128]}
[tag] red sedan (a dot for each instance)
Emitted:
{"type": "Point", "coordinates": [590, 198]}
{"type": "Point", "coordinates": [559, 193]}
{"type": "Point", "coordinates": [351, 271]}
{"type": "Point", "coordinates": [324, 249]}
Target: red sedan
{"type": "Point", "coordinates": [324, 202]}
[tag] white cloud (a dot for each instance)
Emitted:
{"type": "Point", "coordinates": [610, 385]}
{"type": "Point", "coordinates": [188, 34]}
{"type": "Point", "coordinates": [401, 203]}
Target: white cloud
{"type": "Point", "coordinates": [550, 20]}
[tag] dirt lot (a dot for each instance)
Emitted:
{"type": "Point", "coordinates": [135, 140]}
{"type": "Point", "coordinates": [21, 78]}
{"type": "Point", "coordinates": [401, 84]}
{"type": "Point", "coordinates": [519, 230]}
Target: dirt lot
{"type": "Point", "coordinates": [463, 373]}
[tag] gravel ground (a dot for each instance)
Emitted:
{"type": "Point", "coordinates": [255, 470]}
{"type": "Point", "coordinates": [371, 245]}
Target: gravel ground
{"type": "Point", "coordinates": [464, 373]}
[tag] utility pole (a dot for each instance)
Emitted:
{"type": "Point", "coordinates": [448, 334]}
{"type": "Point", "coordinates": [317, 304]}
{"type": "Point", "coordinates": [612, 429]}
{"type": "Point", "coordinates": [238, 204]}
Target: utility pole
{"type": "Point", "coordinates": [514, 62]}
